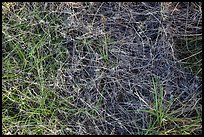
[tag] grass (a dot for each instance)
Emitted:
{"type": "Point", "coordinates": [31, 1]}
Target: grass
{"type": "Point", "coordinates": [50, 84]}
{"type": "Point", "coordinates": [189, 52]}
{"type": "Point", "coordinates": [29, 105]}
{"type": "Point", "coordinates": [162, 121]}
{"type": "Point", "coordinates": [100, 44]}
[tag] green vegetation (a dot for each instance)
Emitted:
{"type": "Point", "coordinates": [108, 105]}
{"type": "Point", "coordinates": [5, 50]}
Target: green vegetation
{"type": "Point", "coordinates": [58, 76]}
{"type": "Point", "coordinates": [165, 121]}
{"type": "Point", "coordinates": [29, 105]}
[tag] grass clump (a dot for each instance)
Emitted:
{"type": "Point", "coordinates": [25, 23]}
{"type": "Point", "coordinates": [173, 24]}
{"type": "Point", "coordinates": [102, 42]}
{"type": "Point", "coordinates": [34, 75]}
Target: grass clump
{"type": "Point", "coordinates": [165, 121]}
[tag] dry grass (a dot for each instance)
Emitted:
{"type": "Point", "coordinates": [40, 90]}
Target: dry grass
{"type": "Point", "coordinates": [87, 68]}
